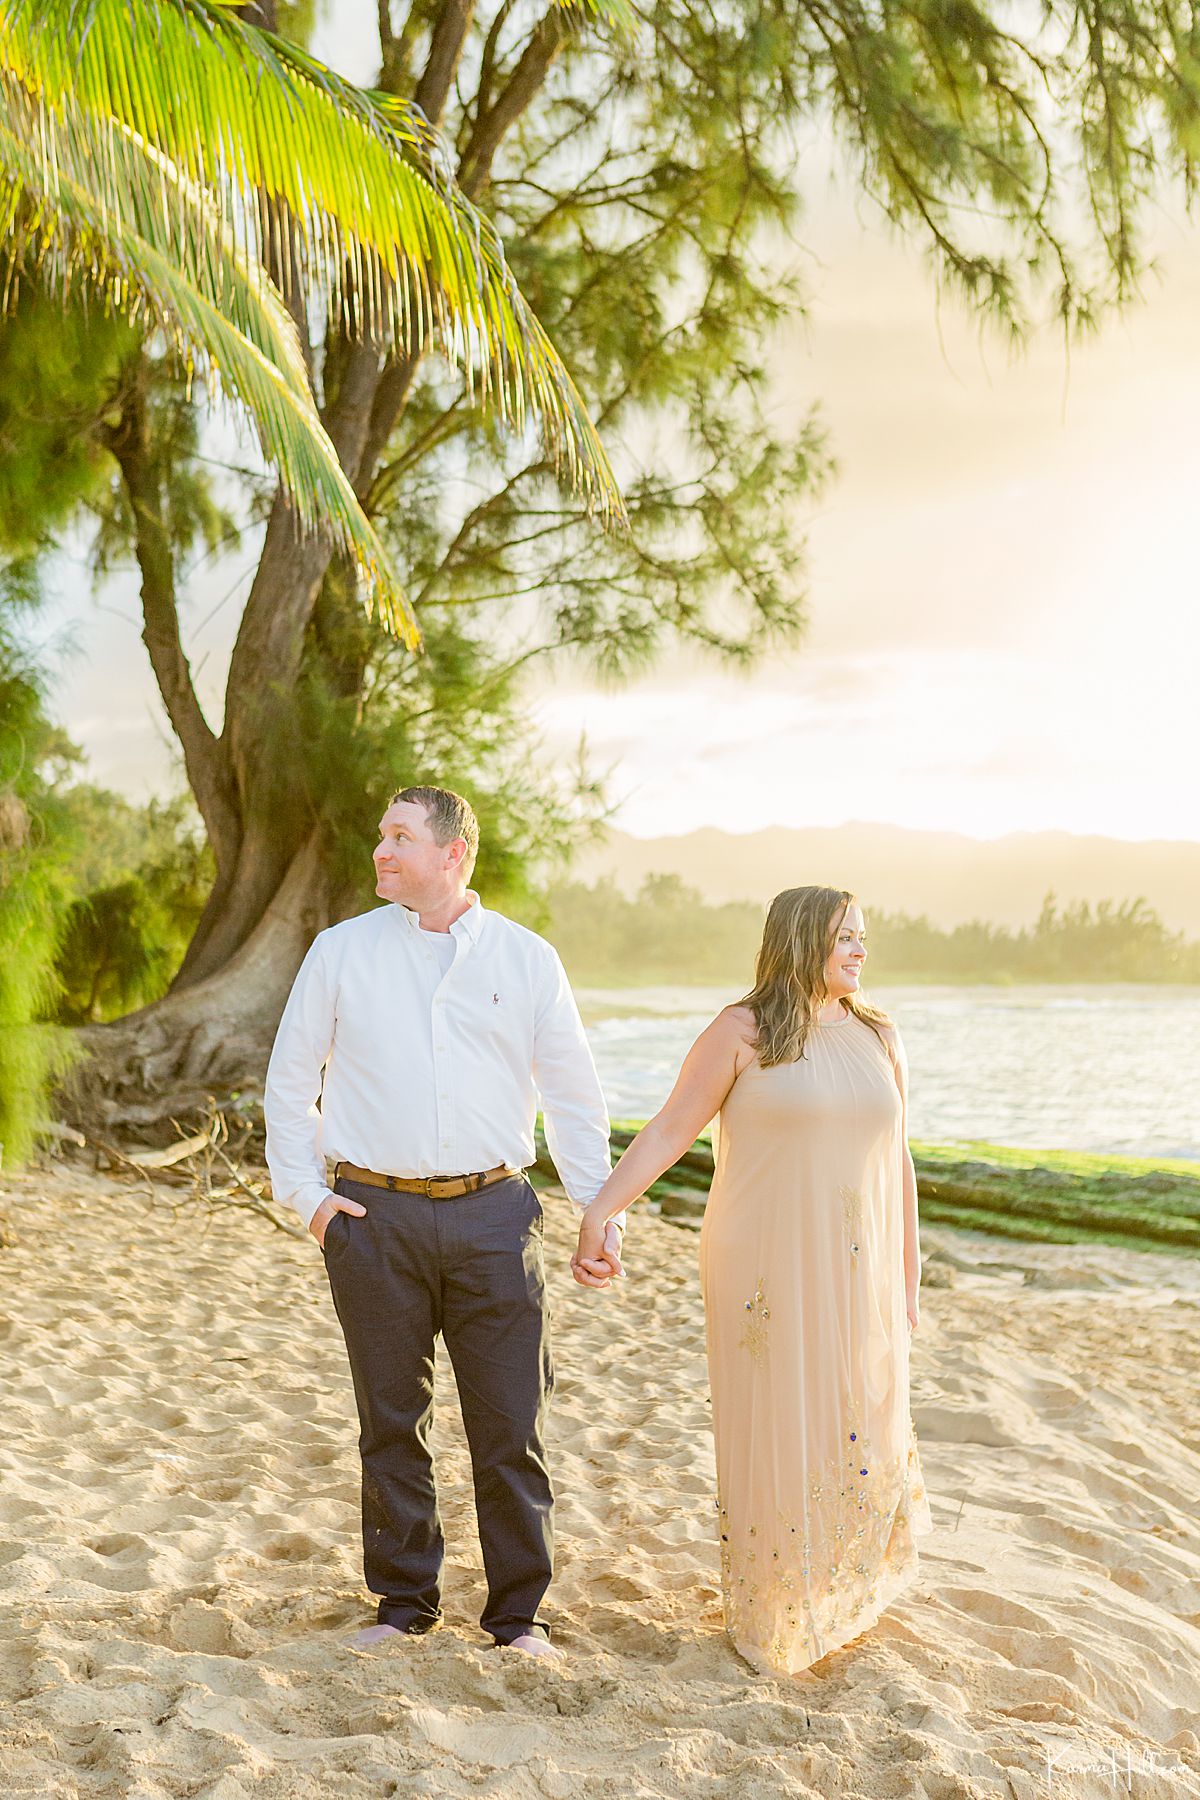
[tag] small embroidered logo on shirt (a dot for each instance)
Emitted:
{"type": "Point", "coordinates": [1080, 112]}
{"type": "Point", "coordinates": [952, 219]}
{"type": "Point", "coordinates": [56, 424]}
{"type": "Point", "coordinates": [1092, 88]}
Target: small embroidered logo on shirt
{"type": "Point", "coordinates": [495, 999]}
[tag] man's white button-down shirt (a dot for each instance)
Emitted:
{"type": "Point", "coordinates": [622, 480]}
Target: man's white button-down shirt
{"type": "Point", "coordinates": [431, 1070]}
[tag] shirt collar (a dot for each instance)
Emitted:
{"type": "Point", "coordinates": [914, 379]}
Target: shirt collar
{"type": "Point", "coordinates": [469, 925]}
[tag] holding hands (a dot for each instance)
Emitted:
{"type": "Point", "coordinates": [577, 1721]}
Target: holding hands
{"type": "Point", "coordinates": [596, 1261]}
{"type": "Point", "coordinates": [710, 1069]}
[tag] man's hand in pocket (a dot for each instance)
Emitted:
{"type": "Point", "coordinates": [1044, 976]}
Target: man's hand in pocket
{"type": "Point", "coordinates": [333, 1203]}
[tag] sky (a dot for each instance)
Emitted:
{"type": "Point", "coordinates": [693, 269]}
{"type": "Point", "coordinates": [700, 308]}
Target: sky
{"type": "Point", "coordinates": [1003, 633]}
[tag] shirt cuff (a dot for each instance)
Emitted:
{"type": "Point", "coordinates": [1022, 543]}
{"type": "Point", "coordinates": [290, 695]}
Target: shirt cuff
{"type": "Point", "coordinates": [581, 1207]}
{"type": "Point", "coordinates": [307, 1200]}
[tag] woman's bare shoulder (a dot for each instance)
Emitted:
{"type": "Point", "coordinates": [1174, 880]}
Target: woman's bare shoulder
{"type": "Point", "coordinates": [738, 1022]}
{"type": "Point", "coordinates": [726, 1042]}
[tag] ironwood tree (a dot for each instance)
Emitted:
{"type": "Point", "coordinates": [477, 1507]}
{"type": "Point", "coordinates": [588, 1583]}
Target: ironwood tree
{"type": "Point", "coordinates": [644, 185]}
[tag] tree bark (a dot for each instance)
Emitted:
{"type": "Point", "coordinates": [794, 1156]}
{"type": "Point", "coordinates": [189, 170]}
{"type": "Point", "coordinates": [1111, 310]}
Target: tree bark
{"type": "Point", "coordinates": [163, 1061]}
{"type": "Point", "coordinates": [128, 440]}
{"type": "Point", "coordinates": [260, 740]}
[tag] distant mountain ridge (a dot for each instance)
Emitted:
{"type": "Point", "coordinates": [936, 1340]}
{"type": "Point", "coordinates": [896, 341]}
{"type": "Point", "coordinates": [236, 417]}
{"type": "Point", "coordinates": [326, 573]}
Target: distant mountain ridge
{"type": "Point", "coordinates": [946, 875]}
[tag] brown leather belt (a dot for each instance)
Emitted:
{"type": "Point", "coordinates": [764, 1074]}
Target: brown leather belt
{"type": "Point", "coordinates": [434, 1187]}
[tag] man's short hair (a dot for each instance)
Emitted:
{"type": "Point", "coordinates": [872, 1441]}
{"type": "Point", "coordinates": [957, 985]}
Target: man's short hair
{"type": "Point", "coordinates": [447, 815]}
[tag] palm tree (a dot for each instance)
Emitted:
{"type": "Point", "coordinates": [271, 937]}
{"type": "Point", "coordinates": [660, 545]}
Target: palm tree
{"type": "Point", "coordinates": [201, 174]}
{"type": "Point", "coordinates": [222, 188]}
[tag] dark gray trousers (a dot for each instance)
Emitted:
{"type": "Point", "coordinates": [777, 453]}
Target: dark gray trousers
{"type": "Point", "coordinates": [470, 1269]}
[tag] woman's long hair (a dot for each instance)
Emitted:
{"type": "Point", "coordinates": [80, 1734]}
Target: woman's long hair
{"type": "Point", "coordinates": [789, 974]}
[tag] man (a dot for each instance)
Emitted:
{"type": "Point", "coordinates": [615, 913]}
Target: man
{"type": "Point", "coordinates": [435, 1022]}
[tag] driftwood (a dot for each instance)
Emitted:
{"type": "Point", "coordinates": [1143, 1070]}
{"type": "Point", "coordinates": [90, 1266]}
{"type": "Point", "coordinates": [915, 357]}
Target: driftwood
{"type": "Point", "coordinates": [142, 1158]}
{"type": "Point", "coordinates": [58, 1133]}
{"type": "Point", "coordinates": [209, 1162]}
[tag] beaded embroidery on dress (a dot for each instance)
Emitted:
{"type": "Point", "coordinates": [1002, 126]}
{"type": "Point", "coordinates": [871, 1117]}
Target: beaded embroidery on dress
{"type": "Point", "coordinates": [820, 1495]}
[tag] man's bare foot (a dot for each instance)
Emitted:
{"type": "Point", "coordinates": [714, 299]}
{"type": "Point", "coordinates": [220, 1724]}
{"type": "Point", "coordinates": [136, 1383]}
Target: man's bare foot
{"type": "Point", "coordinates": [534, 1646]}
{"type": "Point", "coordinates": [371, 1635]}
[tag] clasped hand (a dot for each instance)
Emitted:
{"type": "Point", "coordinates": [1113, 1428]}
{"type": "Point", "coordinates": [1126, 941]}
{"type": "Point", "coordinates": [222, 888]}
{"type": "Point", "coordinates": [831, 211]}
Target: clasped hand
{"type": "Point", "coordinates": [596, 1261]}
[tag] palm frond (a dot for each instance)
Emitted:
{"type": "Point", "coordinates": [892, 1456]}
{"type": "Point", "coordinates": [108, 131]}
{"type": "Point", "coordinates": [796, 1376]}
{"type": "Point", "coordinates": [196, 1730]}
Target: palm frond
{"type": "Point", "coordinates": [618, 15]}
{"type": "Point", "coordinates": [358, 185]}
{"type": "Point", "coordinates": [174, 264]}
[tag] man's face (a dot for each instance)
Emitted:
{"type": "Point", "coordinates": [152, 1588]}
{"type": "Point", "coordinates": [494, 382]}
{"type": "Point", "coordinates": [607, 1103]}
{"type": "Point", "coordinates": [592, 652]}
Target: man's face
{"type": "Point", "coordinates": [411, 867]}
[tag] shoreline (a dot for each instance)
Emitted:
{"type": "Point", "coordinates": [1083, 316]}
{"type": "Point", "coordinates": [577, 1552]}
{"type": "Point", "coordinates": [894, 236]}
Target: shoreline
{"type": "Point", "coordinates": [1033, 1196]}
{"type": "Point", "coordinates": [600, 993]}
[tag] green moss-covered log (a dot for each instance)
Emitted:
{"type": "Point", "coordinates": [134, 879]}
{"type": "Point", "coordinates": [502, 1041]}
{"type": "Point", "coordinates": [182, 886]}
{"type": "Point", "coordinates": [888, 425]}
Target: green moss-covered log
{"type": "Point", "coordinates": [1048, 1196]}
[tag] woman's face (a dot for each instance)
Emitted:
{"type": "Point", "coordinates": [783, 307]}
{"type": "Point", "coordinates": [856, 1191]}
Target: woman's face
{"type": "Point", "coordinates": [843, 970]}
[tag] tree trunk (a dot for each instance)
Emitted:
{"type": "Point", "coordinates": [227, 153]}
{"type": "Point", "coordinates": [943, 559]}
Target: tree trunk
{"type": "Point", "coordinates": [163, 1061]}
{"type": "Point", "coordinates": [212, 1032]}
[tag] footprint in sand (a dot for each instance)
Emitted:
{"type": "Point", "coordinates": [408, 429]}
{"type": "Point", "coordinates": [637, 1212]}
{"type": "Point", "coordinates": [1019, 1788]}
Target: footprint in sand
{"type": "Point", "coordinates": [118, 1544]}
{"type": "Point", "coordinates": [322, 1456]}
{"type": "Point", "coordinates": [210, 1631]}
{"type": "Point", "coordinates": [221, 1489]}
{"type": "Point", "coordinates": [292, 1546]}
{"type": "Point", "coordinates": [486, 1742]}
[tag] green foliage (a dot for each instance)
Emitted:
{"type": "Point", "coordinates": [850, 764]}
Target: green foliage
{"type": "Point", "coordinates": [65, 371]}
{"type": "Point", "coordinates": [179, 184]}
{"type": "Point", "coordinates": [123, 939]}
{"type": "Point", "coordinates": [1111, 941]}
{"type": "Point", "coordinates": [644, 199]}
{"type": "Point", "coordinates": [667, 934]}
{"type": "Point", "coordinates": [36, 884]}
{"type": "Point", "coordinates": [650, 194]}
{"type": "Point", "coordinates": [452, 719]}
{"type": "Point", "coordinates": [113, 836]}
{"type": "Point", "coordinates": [98, 898]}
{"type": "Point", "coordinates": [58, 368]}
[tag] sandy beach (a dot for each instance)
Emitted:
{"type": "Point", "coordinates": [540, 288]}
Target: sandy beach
{"type": "Point", "coordinates": [180, 1552]}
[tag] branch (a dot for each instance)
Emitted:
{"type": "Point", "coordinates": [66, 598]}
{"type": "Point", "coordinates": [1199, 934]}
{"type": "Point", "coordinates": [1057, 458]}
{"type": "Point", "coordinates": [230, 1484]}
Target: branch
{"type": "Point", "coordinates": [476, 517]}
{"type": "Point", "coordinates": [129, 441]}
{"type": "Point", "coordinates": [449, 35]}
{"type": "Point", "coordinates": [391, 398]}
{"type": "Point", "coordinates": [487, 63]}
{"type": "Point", "coordinates": [474, 172]}
{"type": "Point", "coordinates": [444, 425]}
{"type": "Point", "coordinates": [522, 88]}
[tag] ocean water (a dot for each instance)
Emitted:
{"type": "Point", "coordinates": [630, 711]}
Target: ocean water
{"type": "Point", "coordinates": [1108, 1069]}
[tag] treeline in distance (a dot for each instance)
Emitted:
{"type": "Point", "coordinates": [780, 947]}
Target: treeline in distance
{"type": "Point", "coordinates": [668, 935]}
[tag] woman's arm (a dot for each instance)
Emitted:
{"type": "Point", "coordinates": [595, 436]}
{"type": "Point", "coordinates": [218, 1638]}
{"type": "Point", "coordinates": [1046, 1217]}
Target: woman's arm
{"type": "Point", "coordinates": [912, 1242]}
{"type": "Point", "coordinates": [711, 1067]}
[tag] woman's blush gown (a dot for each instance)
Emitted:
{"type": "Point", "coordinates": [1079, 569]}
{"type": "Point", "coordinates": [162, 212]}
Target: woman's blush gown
{"type": "Point", "coordinates": [819, 1487]}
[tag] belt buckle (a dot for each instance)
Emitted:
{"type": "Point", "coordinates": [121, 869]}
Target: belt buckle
{"type": "Point", "coordinates": [429, 1193]}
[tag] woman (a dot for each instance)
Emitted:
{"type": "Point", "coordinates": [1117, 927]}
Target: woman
{"type": "Point", "coordinates": [810, 1268]}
